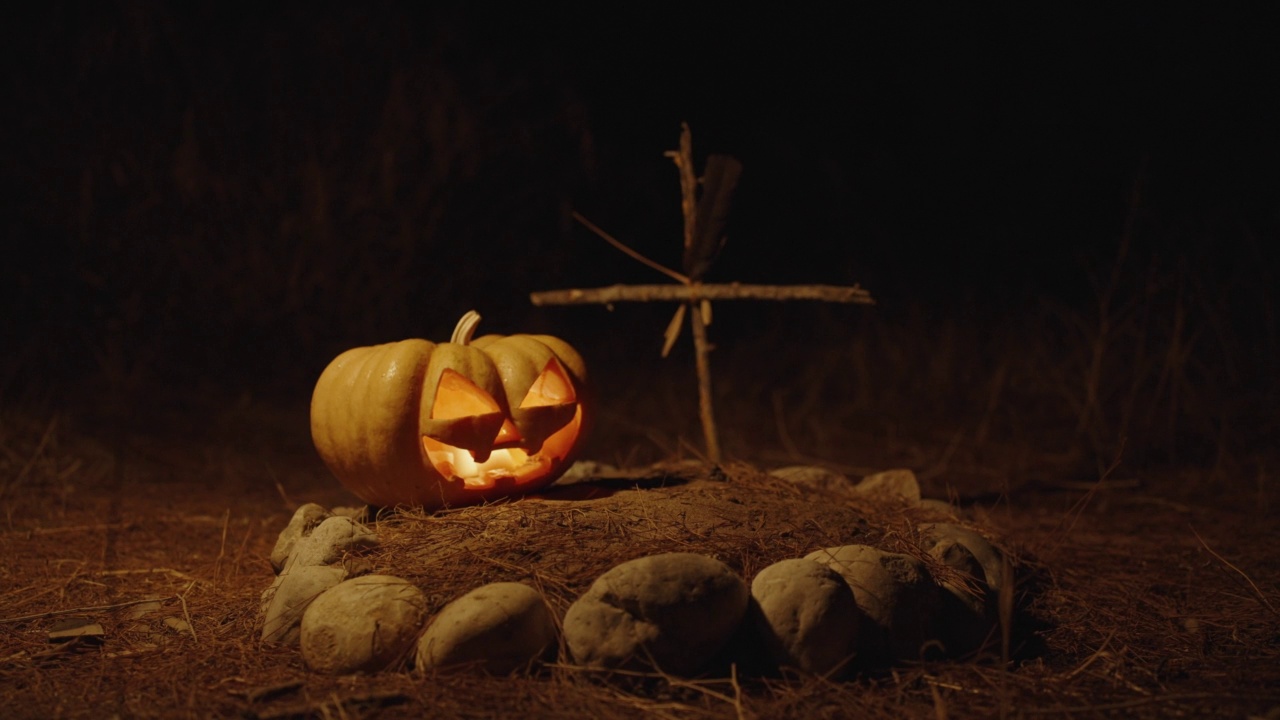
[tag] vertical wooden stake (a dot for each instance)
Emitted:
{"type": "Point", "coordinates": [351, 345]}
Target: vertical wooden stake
{"type": "Point", "coordinates": [701, 350]}
{"type": "Point", "coordinates": [694, 297]}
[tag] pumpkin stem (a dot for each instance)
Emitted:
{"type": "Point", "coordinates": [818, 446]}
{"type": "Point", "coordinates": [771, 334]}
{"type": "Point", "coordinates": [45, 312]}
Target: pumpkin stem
{"type": "Point", "coordinates": [466, 328]}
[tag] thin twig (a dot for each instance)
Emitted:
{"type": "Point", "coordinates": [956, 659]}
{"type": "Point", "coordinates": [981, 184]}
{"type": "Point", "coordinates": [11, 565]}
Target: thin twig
{"type": "Point", "coordinates": [1256, 591]}
{"type": "Point", "coordinates": [1096, 654]}
{"type": "Point", "coordinates": [187, 613]}
{"type": "Point", "coordinates": [98, 527]}
{"type": "Point", "coordinates": [1073, 515]}
{"type": "Point", "coordinates": [678, 277]}
{"type": "Point", "coordinates": [222, 549]}
{"type": "Point", "coordinates": [939, 705]}
{"type": "Point", "coordinates": [688, 293]}
{"type": "Point", "coordinates": [85, 609]}
{"type": "Point", "coordinates": [673, 329]}
{"type": "Point", "coordinates": [737, 692]}
{"type": "Point", "coordinates": [146, 571]}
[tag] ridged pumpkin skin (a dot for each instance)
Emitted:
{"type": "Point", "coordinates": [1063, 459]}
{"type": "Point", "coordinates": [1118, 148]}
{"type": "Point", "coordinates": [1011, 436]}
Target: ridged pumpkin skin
{"type": "Point", "coordinates": [374, 425]}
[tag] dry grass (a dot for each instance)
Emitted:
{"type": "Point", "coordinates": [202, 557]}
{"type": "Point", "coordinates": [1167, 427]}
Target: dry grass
{"type": "Point", "coordinates": [1130, 604]}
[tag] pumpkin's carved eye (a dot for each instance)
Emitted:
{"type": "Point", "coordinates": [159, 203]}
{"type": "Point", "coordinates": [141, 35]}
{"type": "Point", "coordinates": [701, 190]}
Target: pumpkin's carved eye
{"type": "Point", "coordinates": [552, 387]}
{"type": "Point", "coordinates": [549, 415]}
{"type": "Point", "coordinates": [457, 397]}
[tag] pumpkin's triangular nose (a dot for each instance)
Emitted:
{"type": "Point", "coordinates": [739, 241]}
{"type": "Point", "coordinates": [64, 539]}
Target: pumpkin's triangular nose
{"type": "Point", "coordinates": [476, 433]}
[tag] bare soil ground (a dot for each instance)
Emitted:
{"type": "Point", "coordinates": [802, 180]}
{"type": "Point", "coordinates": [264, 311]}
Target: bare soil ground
{"type": "Point", "coordinates": [1132, 602]}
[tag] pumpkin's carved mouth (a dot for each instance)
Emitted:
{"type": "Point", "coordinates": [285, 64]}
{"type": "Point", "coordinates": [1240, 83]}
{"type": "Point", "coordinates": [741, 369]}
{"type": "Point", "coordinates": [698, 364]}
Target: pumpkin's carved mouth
{"type": "Point", "coordinates": [458, 464]}
{"type": "Point", "coordinates": [504, 465]}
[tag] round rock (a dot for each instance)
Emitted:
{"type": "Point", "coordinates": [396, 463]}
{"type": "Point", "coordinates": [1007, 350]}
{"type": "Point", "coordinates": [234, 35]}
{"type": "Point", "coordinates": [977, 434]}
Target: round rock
{"type": "Point", "coordinates": [940, 506]}
{"type": "Point", "coordinates": [899, 483]}
{"type": "Point", "coordinates": [970, 612]}
{"type": "Point", "coordinates": [991, 559]}
{"type": "Point", "coordinates": [896, 595]}
{"type": "Point", "coordinates": [304, 521]}
{"type": "Point", "coordinates": [330, 540]}
{"type": "Point", "coordinates": [967, 618]}
{"type": "Point", "coordinates": [675, 610]}
{"type": "Point", "coordinates": [362, 625]}
{"type": "Point", "coordinates": [500, 628]}
{"type": "Point", "coordinates": [813, 475]}
{"type": "Point", "coordinates": [287, 600]}
{"type": "Point", "coordinates": [807, 615]}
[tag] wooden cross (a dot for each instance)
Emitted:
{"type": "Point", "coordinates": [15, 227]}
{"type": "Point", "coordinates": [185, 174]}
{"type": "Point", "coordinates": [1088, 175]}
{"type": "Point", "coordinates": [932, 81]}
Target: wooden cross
{"type": "Point", "coordinates": [705, 218]}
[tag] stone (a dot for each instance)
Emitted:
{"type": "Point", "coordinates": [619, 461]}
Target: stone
{"type": "Point", "coordinates": [675, 611]}
{"type": "Point", "coordinates": [304, 521]}
{"type": "Point", "coordinates": [76, 628]}
{"type": "Point", "coordinates": [967, 618]}
{"type": "Point", "coordinates": [814, 476]}
{"type": "Point", "coordinates": [969, 584]}
{"type": "Point", "coordinates": [293, 590]}
{"type": "Point", "coordinates": [142, 610]}
{"type": "Point", "coordinates": [891, 483]}
{"type": "Point", "coordinates": [806, 615]}
{"type": "Point", "coordinates": [330, 540]}
{"type": "Point", "coordinates": [941, 506]}
{"type": "Point", "coordinates": [309, 569]}
{"type": "Point", "coordinates": [970, 613]}
{"type": "Point", "coordinates": [896, 596]}
{"type": "Point", "coordinates": [583, 471]}
{"type": "Point", "coordinates": [987, 554]}
{"type": "Point", "coordinates": [498, 628]}
{"type": "Point", "coordinates": [364, 624]}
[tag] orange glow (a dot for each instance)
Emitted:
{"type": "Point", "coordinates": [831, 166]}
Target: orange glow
{"type": "Point", "coordinates": [458, 397]}
{"type": "Point", "coordinates": [509, 464]}
{"type": "Point", "coordinates": [458, 463]}
{"type": "Point", "coordinates": [552, 387]}
{"type": "Point", "coordinates": [559, 443]}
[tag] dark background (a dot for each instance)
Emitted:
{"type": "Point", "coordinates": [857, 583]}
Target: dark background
{"type": "Point", "coordinates": [216, 198]}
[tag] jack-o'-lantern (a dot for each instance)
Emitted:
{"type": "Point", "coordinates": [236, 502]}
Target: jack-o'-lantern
{"type": "Point", "coordinates": [456, 423]}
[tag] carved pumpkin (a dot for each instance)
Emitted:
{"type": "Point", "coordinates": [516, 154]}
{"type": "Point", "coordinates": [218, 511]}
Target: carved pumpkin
{"type": "Point", "coordinates": [434, 425]}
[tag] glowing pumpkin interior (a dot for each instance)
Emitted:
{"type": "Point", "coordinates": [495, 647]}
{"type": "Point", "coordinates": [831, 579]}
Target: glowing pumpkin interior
{"type": "Point", "coordinates": [483, 447]}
